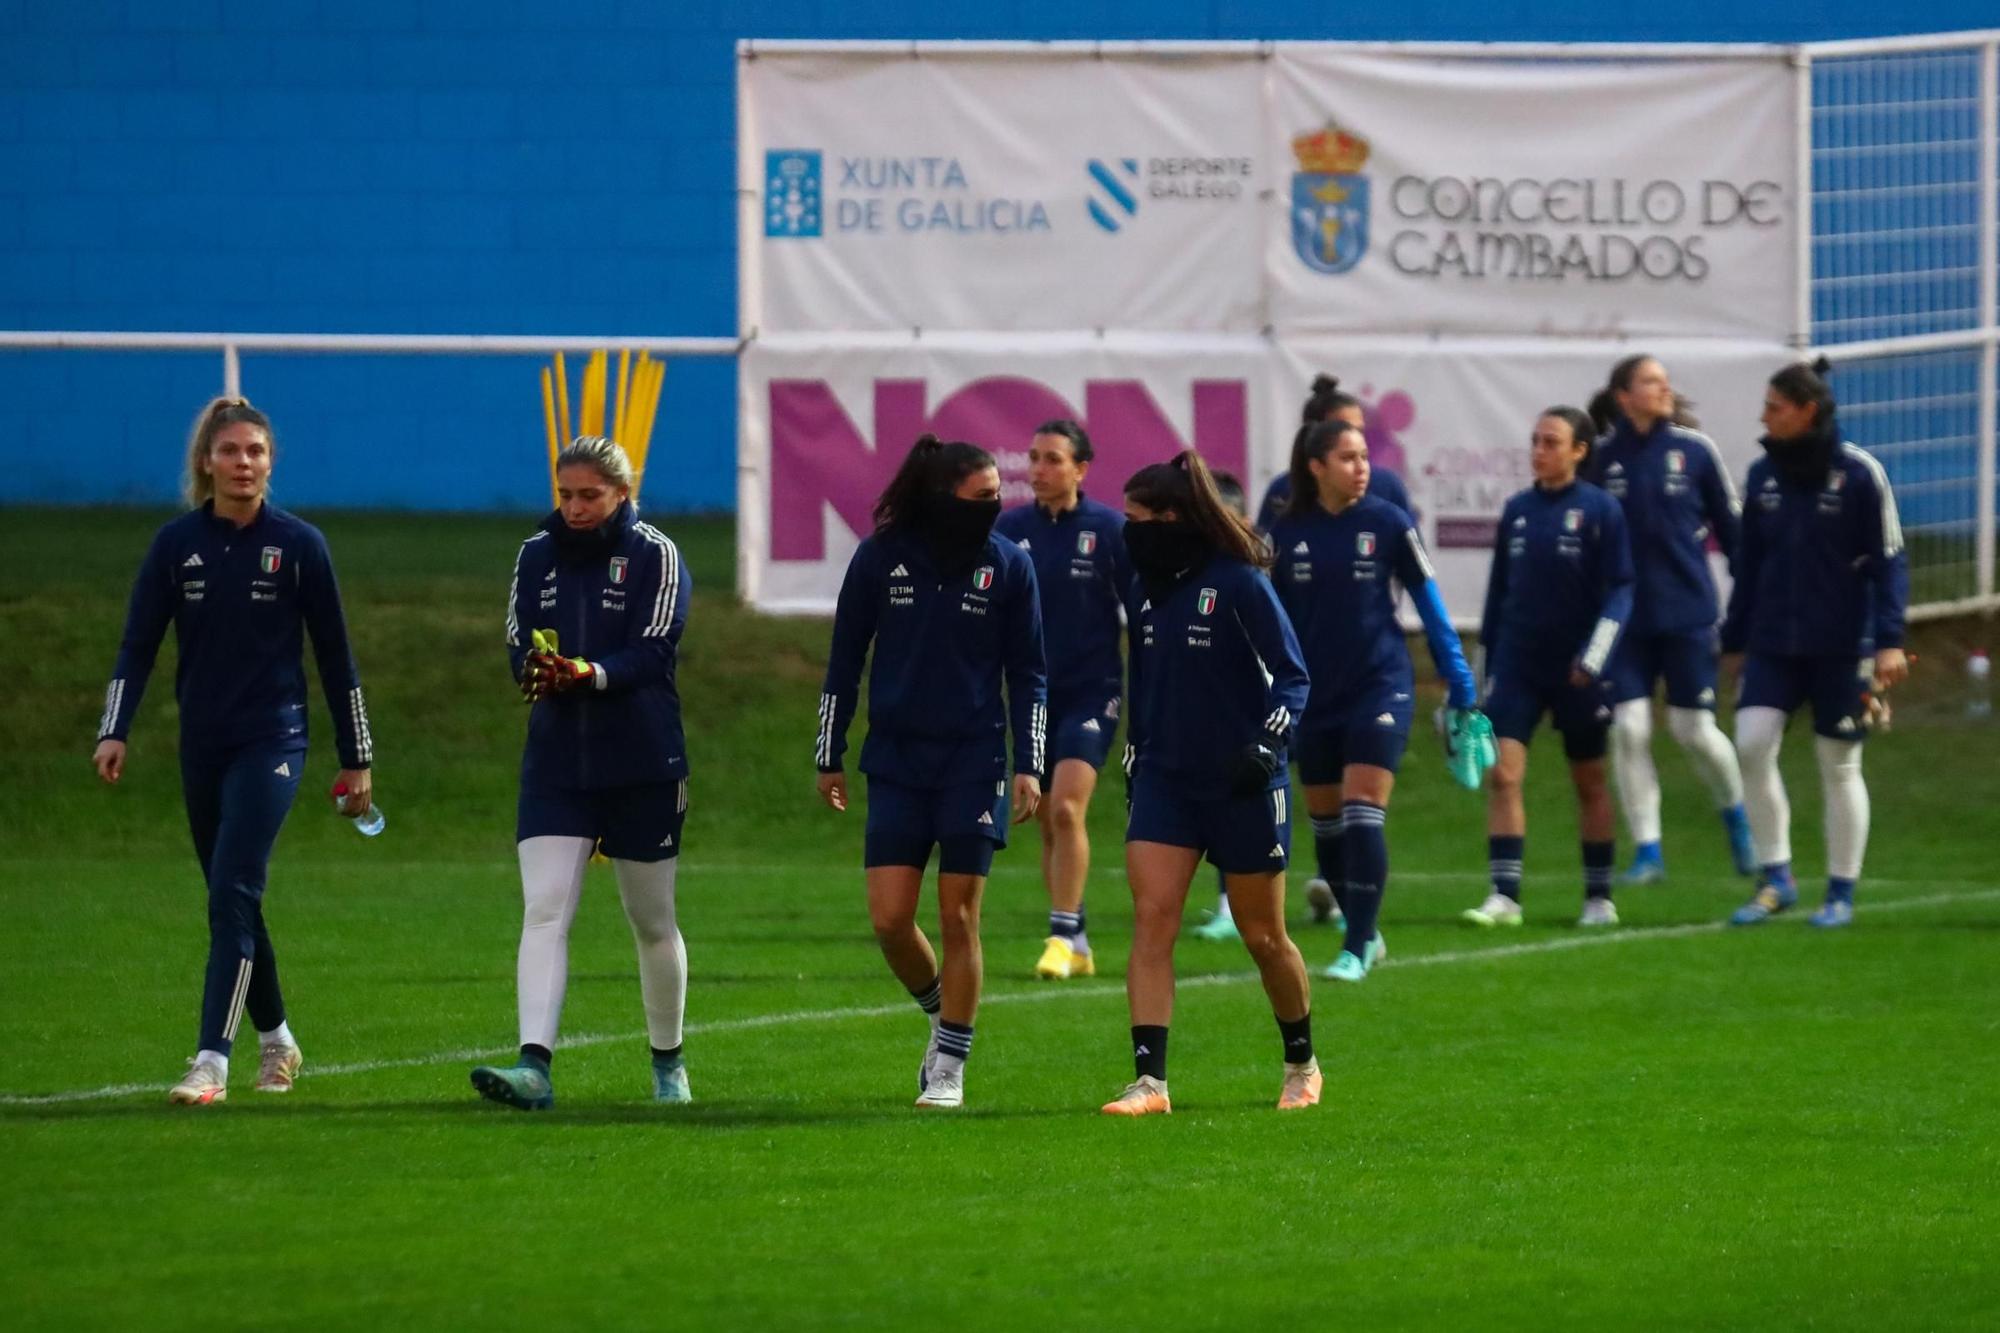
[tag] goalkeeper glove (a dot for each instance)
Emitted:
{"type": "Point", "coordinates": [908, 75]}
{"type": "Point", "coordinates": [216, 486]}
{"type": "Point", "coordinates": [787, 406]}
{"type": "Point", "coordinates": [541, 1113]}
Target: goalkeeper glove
{"type": "Point", "coordinates": [1469, 749]}
{"type": "Point", "coordinates": [1252, 769]}
{"type": "Point", "coordinates": [547, 671]}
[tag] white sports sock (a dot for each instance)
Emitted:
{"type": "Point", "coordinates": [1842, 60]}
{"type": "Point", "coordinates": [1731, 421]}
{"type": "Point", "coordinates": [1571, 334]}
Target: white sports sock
{"type": "Point", "coordinates": [214, 1058]}
{"type": "Point", "coordinates": [647, 888]}
{"type": "Point", "coordinates": [1846, 794]}
{"type": "Point", "coordinates": [1080, 943]}
{"type": "Point", "coordinates": [1710, 750]}
{"type": "Point", "coordinates": [551, 885]}
{"type": "Point", "coordinates": [280, 1035]}
{"type": "Point", "coordinates": [1632, 768]}
{"type": "Point", "coordinates": [1759, 733]}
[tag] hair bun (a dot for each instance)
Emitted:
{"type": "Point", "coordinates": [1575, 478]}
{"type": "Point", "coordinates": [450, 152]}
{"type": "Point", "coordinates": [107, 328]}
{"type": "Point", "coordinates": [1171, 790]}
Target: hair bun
{"type": "Point", "coordinates": [1324, 383]}
{"type": "Point", "coordinates": [929, 441]}
{"type": "Point", "coordinates": [1820, 365]}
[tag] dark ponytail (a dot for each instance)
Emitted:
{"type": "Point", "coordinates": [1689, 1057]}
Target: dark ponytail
{"type": "Point", "coordinates": [1805, 384]}
{"type": "Point", "coordinates": [932, 467]}
{"type": "Point", "coordinates": [1185, 485]}
{"type": "Point", "coordinates": [1313, 447]}
{"type": "Point", "coordinates": [1326, 398]}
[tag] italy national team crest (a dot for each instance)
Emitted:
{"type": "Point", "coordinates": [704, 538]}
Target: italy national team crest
{"type": "Point", "coordinates": [1330, 199]}
{"type": "Point", "coordinates": [1086, 542]}
{"type": "Point", "coordinates": [1677, 462]}
{"type": "Point", "coordinates": [1364, 545]}
{"type": "Point", "coordinates": [618, 566]}
{"type": "Point", "coordinates": [273, 557]}
{"type": "Point", "coordinates": [1205, 603]}
{"type": "Point", "coordinates": [982, 578]}
{"type": "Point", "coordinates": [1572, 520]}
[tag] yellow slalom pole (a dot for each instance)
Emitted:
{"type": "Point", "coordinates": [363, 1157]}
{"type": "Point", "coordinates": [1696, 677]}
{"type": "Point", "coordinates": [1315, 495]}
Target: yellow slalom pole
{"type": "Point", "coordinates": [648, 407]}
{"type": "Point", "coordinates": [562, 398]}
{"type": "Point", "coordinates": [593, 392]}
{"type": "Point", "coordinates": [549, 424]}
{"type": "Point", "coordinates": [621, 405]}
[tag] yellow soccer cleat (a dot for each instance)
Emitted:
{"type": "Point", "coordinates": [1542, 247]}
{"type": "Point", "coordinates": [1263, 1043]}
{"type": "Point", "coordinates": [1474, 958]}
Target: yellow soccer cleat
{"type": "Point", "coordinates": [1059, 962]}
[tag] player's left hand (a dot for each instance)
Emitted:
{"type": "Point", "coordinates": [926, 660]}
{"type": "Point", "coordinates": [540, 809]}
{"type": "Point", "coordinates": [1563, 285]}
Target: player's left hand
{"type": "Point", "coordinates": [1580, 678]}
{"type": "Point", "coordinates": [1892, 668]}
{"type": "Point", "coordinates": [360, 791]}
{"type": "Point", "coordinates": [547, 673]}
{"type": "Point", "coordinates": [1027, 797]}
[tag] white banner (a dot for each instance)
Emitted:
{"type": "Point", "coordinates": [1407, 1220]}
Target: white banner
{"type": "Point", "coordinates": [1453, 418]}
{"type": "Point", "coordinates": [826, 421]}
{"type": "Point", "coordinates": [992, 191]}
{"type": "Point", "coordinates": [1532, 196]}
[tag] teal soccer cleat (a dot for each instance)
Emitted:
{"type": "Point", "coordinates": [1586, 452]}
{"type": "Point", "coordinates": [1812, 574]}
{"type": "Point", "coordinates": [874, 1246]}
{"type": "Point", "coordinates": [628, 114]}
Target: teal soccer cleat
{"type": "Point", "coordinates": [670, 1083]}
{"type": "Point", "coordinates": [524, 1087]}
{"type": "Point", "coordinates": [1347, 968]}
{"type": "Point", "coordinates": [1216, 927]}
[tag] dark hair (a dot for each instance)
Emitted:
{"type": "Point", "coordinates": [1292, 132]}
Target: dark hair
{"type": "Point", "coordinates": [1622, 373]}
{"type": "Point", "coordinates": [1317, 443]}
{"type": "Point", "coordinates": [1805, 385]}
{"type": "Point", "coordinates": [933, 467]}
{"type": "Point", "coordinates": [1231, 491]}
{"type": "Point", "coordinates": [1185, 485]}
{"type": "Point", "coordinates": [1683, 413]}
{"type": "Point", "coordinates": [1603, 409]}
{"type": "Point", "coordinates": [1580, 427]}
{"type": "Point", "coordinates": [1326, 398]}
{"type": "Point", "coordinates": [1079, 441]}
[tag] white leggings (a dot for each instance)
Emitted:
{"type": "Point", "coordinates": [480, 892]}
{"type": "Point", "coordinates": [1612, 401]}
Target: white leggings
{"type": "Point", "coordinates": [1639, 782]}
{"type": "Point", "coordinates": [1760, 732]}
{"type": "Point", "coordinates": [551, 886]}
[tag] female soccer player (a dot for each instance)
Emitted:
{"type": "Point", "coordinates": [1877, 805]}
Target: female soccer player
{"type": "Point", "coordinates": [1821, 583]}
{"type": "Point", "coordinates": [594, 621]}
{"type": "Point", "coordinates": [1077, 546]}
{"type": "Point", "coordinates": [1329, 402]}
{"type": "Point", "coordinates": [1336, 549]}
{"type": "Point", "coordinates": [238, 578]}
{"type": "Point", "coordinates": [1676, 495]}
{"type": "Point", "coordinates": [1216, 681]}
{"type": "Point", "coordinates": [1558, 594]}
{"type": "Point", "coordinates": [951, 610]}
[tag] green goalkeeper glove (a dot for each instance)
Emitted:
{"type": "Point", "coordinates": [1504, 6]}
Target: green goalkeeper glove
{"type": "Point", "coordinates": [547, 671]}
{"type": "Point", "coordinates": [1468, 746]}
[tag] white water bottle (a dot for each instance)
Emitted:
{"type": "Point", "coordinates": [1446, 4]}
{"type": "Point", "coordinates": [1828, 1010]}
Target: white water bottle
{"type": "Point", "coordinates": [1979, 683]}
{"type": "Point", "coordinates": [368, 823]}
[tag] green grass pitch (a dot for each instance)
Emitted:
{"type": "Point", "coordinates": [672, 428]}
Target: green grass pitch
{"type": "Point", "coordinates": [1673, 1126]}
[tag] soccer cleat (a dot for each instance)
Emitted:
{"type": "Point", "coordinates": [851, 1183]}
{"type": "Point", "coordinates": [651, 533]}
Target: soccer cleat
{"type": "Point", "coordinates": [1378, 949]}
{"type": "Point", "coordinates": [929, 1062]}
{"type": "Point", "coordinates": [1217, 928]}
{"type": "Point", "coordinates": [1769, 900]}
{"type": "Point", "coordinates": [1144, 1095]}
{"type": "Point", "coordinates": [1325, 909]}
{"type": "Point", "coordinates": [670, 1083]}
{"type": "Point", "coordinates": [1835, 913]}
{"type": "Point", "coordinates": [1598, 912]}
{"type": "Point", "coordinates": [1497, 910]}
{"type": "Point", "coordinates": [946, 1088]}
{"type": "Point", "coordinates": [1648, 866]}
{"type": "Point", "coordinates": [277, 1067]}
{"type": "Point", "coordinates": [203, 1085]}
{"type": "Point", "coordinates": [1057, 960]}
{"type": "Point", "coordinates": [1347, 967]}
{"type": "Point", "coordinates": [523, 1087]}
{"type": "Point", "coordinates": [1740, 850]}
{"type": "Point", "coordinates": [1302, 1084]}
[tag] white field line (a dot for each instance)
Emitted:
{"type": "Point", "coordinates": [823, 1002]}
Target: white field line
{"type": "Point", "coordinates": [790, 1018]}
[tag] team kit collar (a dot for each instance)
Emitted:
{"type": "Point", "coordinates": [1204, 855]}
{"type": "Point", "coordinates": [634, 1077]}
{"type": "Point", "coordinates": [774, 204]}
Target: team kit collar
{"type": "Point", "coordinates": [1070, 514]}
{"type": "Point", "coordinates": [222, 524]}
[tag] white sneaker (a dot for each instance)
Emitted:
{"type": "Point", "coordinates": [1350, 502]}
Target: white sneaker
{"type": "Point", "coordinates": [946, 1087]}
{"type": "Point", "coordinates": [929, 1064]}
{"type": "Point", "coordinates": [1598, 912]}
{"type": "Point", "coordinates": [204, 1085]}
{"type": "Point", "coordinates": [1497, 910]}
{"type": "Point", "coordinates": [1319, 900]}
{"type": "Point", "coordinates": [277, 1067]}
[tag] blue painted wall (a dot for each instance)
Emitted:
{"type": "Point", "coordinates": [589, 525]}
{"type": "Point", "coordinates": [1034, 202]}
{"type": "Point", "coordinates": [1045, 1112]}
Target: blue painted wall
{"type": "Point", "coordinates": [468, 166]}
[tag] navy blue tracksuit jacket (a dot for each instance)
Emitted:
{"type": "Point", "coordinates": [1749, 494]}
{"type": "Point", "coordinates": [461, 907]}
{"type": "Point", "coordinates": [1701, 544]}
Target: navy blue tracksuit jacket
{"type": "Point", "coordinates": [942, 645]}
{"type": "Point", "coordinates": [1560, 587]}
{"type": "Point", "coordinates": [1083, 576]}
{"type": "Point", "coordinates": [240, 600]}
{"type": "Point", "coordinates": [1676, 495]}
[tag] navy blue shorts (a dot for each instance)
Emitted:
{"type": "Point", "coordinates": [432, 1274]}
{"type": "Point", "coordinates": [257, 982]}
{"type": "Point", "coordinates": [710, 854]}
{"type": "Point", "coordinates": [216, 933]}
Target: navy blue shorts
{"type": "Point", "coordinates": [1687, 659]}
{"type": "Point", "coordinates": [1371, 728]}
{"type": "Point", "coordinates": [1836, 687]}
{"type": "Point", "coordinates": [1242, 835]}
{"type": "Point", "coordinates": [1520, 695]}
{"type": "Point", "coordinates": [1082, 727]}
{"type": "Point", "coordinates": [642, 822]}
{"type": "Point", "coordinates": [966, 823]}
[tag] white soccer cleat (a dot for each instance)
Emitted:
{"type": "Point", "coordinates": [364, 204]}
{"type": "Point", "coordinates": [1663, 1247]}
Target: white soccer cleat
{"type": "Point", "coordinates": [277, 1067]}
{"type": "Point", "coordinates": [946, 1088]}
{"type": "Point", "coordinates": [1497, 910]}
{"type": "Point", "coordinates": [929, 1062]}
{"type": "Point", "coordinates": [204, 1085]}
{"type": "Point", "coordinates": [1598, 912]}
{"type": "Point", "coordinates": [1320, 903]}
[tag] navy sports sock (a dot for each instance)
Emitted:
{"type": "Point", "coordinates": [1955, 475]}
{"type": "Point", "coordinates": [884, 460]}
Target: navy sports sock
{"type": "Point", "coordinates": [538, 1056]}
{"type": "Point", "coordinates": [1328, 850]}
{"type": "Point", "coordinates": [1597, 860]}
{"type": "Point", "coordinates": [1367, 858]}
{"type": "Point", "coordinates": [1298, 1037]}
{"type": "Point", "coordinates": [1149, 1051]}
{"type": "Point", "coordinates": [931, 998]}
{"type": "Point", "coordinates": [954, 1040]}
{"type": "Point", "coordinates": [666, 1059]}
{"type": "Point", "coordinates": [1839, 890]}
{"type": "Point", "coordinates": [1503, 859]}
{"type": "Point", "coordinates": [1068, 925]}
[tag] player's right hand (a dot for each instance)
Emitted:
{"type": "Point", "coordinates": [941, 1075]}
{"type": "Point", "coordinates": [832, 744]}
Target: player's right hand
{"type": "Point", "coordinates": [110, 760]}
{"type": "Point", "coordinates": [833, 790]}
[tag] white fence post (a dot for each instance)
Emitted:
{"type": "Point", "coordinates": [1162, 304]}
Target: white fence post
{"type": "Point", "coordinates": [232, 372]}
{"type": "Point", "coordinates": [1989, 306]}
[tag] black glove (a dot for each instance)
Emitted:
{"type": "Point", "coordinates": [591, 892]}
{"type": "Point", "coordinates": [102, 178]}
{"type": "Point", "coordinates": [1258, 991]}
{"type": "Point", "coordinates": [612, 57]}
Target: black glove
{"type": "Point", "coordinates": [1252, 770]}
